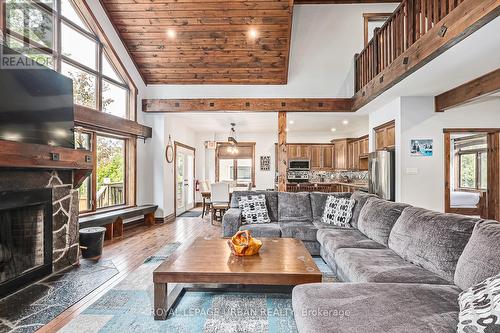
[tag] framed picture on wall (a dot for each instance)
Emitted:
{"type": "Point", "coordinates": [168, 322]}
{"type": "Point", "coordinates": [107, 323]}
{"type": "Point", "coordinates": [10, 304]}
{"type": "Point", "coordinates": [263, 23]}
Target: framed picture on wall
{"type": "Point", "coordinates": [265, 163]}
{"type": "Point", "coordinates": [421, 147]}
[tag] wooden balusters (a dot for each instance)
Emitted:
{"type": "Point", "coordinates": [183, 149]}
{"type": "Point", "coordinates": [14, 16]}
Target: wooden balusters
{"type": "Point", "coordinates": [411, 20]}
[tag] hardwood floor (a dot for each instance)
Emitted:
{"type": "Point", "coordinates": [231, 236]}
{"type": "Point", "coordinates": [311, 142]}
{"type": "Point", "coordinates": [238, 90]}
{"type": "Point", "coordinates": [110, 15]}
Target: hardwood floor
{"type": "Point", "coordinates": [129, 252]}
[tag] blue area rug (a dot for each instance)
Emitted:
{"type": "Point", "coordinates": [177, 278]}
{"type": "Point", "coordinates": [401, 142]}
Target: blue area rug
{"type": "Point", "coordinates": [128, 307]}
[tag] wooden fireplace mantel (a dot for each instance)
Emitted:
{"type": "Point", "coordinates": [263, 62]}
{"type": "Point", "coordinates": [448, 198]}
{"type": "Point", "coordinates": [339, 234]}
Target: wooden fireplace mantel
{"type": "Point", "coordinates": [27, 156]}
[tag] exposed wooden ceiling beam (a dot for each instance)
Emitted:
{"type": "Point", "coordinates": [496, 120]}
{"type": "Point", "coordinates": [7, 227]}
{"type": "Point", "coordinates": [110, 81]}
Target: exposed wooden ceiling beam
{"type": "Point", "coordinates": [484, 85]}
{"type": "Point", "coordinates": [466, 18]}
{"type": "Point", "coordinates": [248, 105]}
{"type": "Point", "coordinates": [99, 120]}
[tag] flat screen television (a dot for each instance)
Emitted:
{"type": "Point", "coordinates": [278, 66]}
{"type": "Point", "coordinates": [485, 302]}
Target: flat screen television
{"type": "Point", "coordinates": [36, 105]}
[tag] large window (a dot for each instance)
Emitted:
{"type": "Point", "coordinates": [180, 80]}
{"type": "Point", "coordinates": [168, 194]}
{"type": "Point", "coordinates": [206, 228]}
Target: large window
{"type": "Point", "coordinates": [55, 34]}
{"type": "Point", "coordinates": [473, 170]}
{"type": "Point", "coordinates": [472, 162]}
{"type": "Point", "coordinates": [235, 164]}
{"type": "Point", "coordinates": [63, 35]}
{"type": "Point", "coordinates": [107, 186]}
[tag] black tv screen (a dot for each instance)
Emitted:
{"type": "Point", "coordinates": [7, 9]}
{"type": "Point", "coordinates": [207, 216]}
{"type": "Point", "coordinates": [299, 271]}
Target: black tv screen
{"type": "Point", "coordinates": [36, 105]}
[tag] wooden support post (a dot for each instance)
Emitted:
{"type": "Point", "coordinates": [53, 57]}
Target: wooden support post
{"type": "Point", "coordinates": [493, 196]}
{"type": "Point", "coordinates": [282, 152]}
{"type": "Point", "coordinates": [149, 219]}
{"type": "Point", "coordinates": [109, 231]}
{"type": "Point", "coordinates": [118, 227]}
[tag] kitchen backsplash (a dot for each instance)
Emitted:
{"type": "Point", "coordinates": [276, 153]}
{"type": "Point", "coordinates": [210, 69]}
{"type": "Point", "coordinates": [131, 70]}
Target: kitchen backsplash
{"type": "Point", "coordinates": [329, 176]}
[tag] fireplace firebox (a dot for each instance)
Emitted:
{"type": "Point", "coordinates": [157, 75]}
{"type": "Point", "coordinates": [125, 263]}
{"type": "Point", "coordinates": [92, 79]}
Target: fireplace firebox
{"type": "Point", "coordinates": [25, 238]}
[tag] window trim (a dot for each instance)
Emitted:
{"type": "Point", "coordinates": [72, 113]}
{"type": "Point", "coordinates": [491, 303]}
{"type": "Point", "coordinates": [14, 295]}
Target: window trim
{"type": "Point", "coordinates": [372, 17]}
{"type": "Point", "coordinates": [477, 153]}
{"type": "Point", "coordinates": [235, 163]}
{"type": "Point", "coordinates": [129, 179]}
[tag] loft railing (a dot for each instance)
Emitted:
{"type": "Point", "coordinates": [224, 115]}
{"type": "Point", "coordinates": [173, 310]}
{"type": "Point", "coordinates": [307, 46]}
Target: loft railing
{"type": "Point", "coordinates": [410, 21]}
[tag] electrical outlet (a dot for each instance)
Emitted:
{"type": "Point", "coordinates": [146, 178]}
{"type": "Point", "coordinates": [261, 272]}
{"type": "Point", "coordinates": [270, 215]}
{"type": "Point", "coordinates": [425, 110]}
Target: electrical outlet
{"type": "Point", "coordinates": [411, 171]}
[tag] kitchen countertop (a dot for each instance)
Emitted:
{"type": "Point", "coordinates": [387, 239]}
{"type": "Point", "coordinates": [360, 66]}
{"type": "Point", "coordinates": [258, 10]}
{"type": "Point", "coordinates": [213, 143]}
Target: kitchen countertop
{"type": "Point", "coordinates": [354, 184]}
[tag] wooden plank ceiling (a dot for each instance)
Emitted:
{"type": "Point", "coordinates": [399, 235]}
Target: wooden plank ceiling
{"type": "Point", "coordinates": [206, 41]}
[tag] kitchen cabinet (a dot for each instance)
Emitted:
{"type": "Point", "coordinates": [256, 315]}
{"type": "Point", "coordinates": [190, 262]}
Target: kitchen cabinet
{"type": "Point", "coordinates": [358, 153]}
{"type": "Point", "coordinates": [316, 154]}
{"type": "Point", "coordinates": [385, 136]}
{"type": "Point", "coordinates": [327, 154]}
{"type": "Point", "coordinates": [341, 154]}
{"type": "Point", "coordinates": [298, 151]}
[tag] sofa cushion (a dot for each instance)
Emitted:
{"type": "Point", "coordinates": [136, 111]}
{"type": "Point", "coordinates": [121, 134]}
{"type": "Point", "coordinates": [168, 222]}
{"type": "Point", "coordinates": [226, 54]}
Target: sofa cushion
{"type": "Point", "coordinates": [253, 209]}
{"type": "Point", "coordinates": [431, 240]}
{"type": "Point", "coordinates": [481, 256]}
{"type": "Point", "coordinates": [377, 217]}
{"type": "Point", "coordinates": [271, 201]}
{"type": "Point", "coordinates": [360, 198]}
{"type": "Point", "coordinates": [334, 239]}
{"type": "Point", "coordinates": [480, 307]}
{"type": "Point", "coordinates": [338, 211]}
{"type": "Point", "coordinates": [263, 230]}
{"type": "Point", "coordinates": [294, 207]}
{"type": "Point", "coordinates": [375, 308]}
{"type": "Point", "coordinates": [318, 202]}
{"type": "Point", "coordinates": [380, 265]}
{"type": "Point", "coordinates": [304, 231]}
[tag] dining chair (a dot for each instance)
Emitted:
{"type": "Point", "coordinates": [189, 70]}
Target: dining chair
{"type": "Point", "coordinates": [219, 196]}
{"type": "Point", "coordinates": [206, 198]}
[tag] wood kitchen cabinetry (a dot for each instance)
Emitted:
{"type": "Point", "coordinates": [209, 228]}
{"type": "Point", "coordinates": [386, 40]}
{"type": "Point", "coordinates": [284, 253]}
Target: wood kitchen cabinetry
{"type": "Point", "coordinates": [358, 153]}
{"type": "Point", "coordinates": [385, 136]}
{"type": "Point", "coordinates": [298, 151]}
{"type": "Point", "coordinates": [341, 154]}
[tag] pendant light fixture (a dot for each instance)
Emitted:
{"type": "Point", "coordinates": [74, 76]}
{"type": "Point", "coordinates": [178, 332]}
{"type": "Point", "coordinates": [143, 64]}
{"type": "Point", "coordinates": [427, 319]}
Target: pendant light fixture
{"type": "Point", "coordinates": [231, 138]}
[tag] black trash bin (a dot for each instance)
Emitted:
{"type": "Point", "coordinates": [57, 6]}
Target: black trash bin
{"type": "Point", "coordinates": [91, 242]}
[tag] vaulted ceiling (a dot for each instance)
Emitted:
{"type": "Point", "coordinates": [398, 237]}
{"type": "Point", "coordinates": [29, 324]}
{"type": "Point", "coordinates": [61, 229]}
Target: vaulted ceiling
{"type": "Point", "coordinates": [206, 41]}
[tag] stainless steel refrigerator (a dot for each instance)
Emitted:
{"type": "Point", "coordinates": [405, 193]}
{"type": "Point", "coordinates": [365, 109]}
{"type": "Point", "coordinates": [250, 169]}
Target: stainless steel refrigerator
{"type": "Point", "coordinates": [382, 174]}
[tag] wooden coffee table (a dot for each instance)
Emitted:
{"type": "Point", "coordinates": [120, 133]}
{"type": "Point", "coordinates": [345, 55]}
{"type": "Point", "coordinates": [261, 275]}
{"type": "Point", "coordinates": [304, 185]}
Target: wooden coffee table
{"type": "Point", "coordinates": [281, 262]}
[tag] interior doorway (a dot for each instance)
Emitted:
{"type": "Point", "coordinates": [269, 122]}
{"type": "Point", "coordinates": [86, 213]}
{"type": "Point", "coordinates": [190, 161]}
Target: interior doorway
{"type": "Point", "coordinates": [472, 166]}
{"type": "Point", "coordinates": [184, 178]}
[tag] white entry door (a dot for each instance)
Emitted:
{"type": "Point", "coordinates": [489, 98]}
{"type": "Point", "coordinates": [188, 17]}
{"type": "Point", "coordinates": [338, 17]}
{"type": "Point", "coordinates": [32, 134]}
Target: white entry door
{"type": "Point", "coordinates": [184, 172]}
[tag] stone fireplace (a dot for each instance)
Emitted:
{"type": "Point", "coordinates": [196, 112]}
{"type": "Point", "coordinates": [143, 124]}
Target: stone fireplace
{"type": "Point", "coordinates": [39, 224]}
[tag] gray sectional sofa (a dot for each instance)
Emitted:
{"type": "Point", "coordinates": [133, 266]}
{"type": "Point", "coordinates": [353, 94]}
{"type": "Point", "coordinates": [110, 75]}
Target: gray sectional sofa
{"type": "Point", "coordinates": [293, 215]}
{"type": "Point", "coordinates": [402, 268]}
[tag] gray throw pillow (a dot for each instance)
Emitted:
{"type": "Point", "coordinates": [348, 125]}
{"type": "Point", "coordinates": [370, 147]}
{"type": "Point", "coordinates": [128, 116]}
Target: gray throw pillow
{"type": "Point", "coordinates": [480, 258]}
{"type": "Point", "coordinates": [338, 211]}
{"type": "Point", "coordinates": [253, 209]}
{"type": "Point", "coordinates": [480, 307]}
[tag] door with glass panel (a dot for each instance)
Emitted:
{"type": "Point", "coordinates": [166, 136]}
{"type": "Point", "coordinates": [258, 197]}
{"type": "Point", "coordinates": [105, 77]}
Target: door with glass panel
{"type": "Point", "coordinates": [184, 178]}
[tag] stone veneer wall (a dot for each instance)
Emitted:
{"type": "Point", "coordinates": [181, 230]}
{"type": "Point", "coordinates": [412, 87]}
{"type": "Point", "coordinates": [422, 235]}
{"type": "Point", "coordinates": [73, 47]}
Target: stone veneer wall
{"type": "Point", "coordinates": [65, 208]}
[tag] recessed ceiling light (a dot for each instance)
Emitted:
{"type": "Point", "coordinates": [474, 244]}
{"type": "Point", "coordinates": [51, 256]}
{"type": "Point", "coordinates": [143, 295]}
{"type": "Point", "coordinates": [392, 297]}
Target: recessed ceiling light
{"type": "Point", "coordinates": [333, 129]}
{"type": "Point", "coordinates": [345, 122]}
{"type": "Point", "coordinates": [171, 33]}
{"type": "Point", "coordinates": [291, 122]}
{"type": "Point", "coordinates": [252, 33]}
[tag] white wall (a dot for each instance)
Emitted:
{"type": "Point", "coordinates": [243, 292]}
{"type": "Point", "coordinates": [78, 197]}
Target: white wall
{"type": "Point", "coordinates": [390, 111]}
{"type": "Point", "coordinates": [419, 121]}
{"type": "Point", "coordinates": [416, 119]}
{"type": "Point", "coordinates": [324, 41]}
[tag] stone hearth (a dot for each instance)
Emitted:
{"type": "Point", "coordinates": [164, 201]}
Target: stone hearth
{"type": "Point", "coordinates": [65, 208]}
